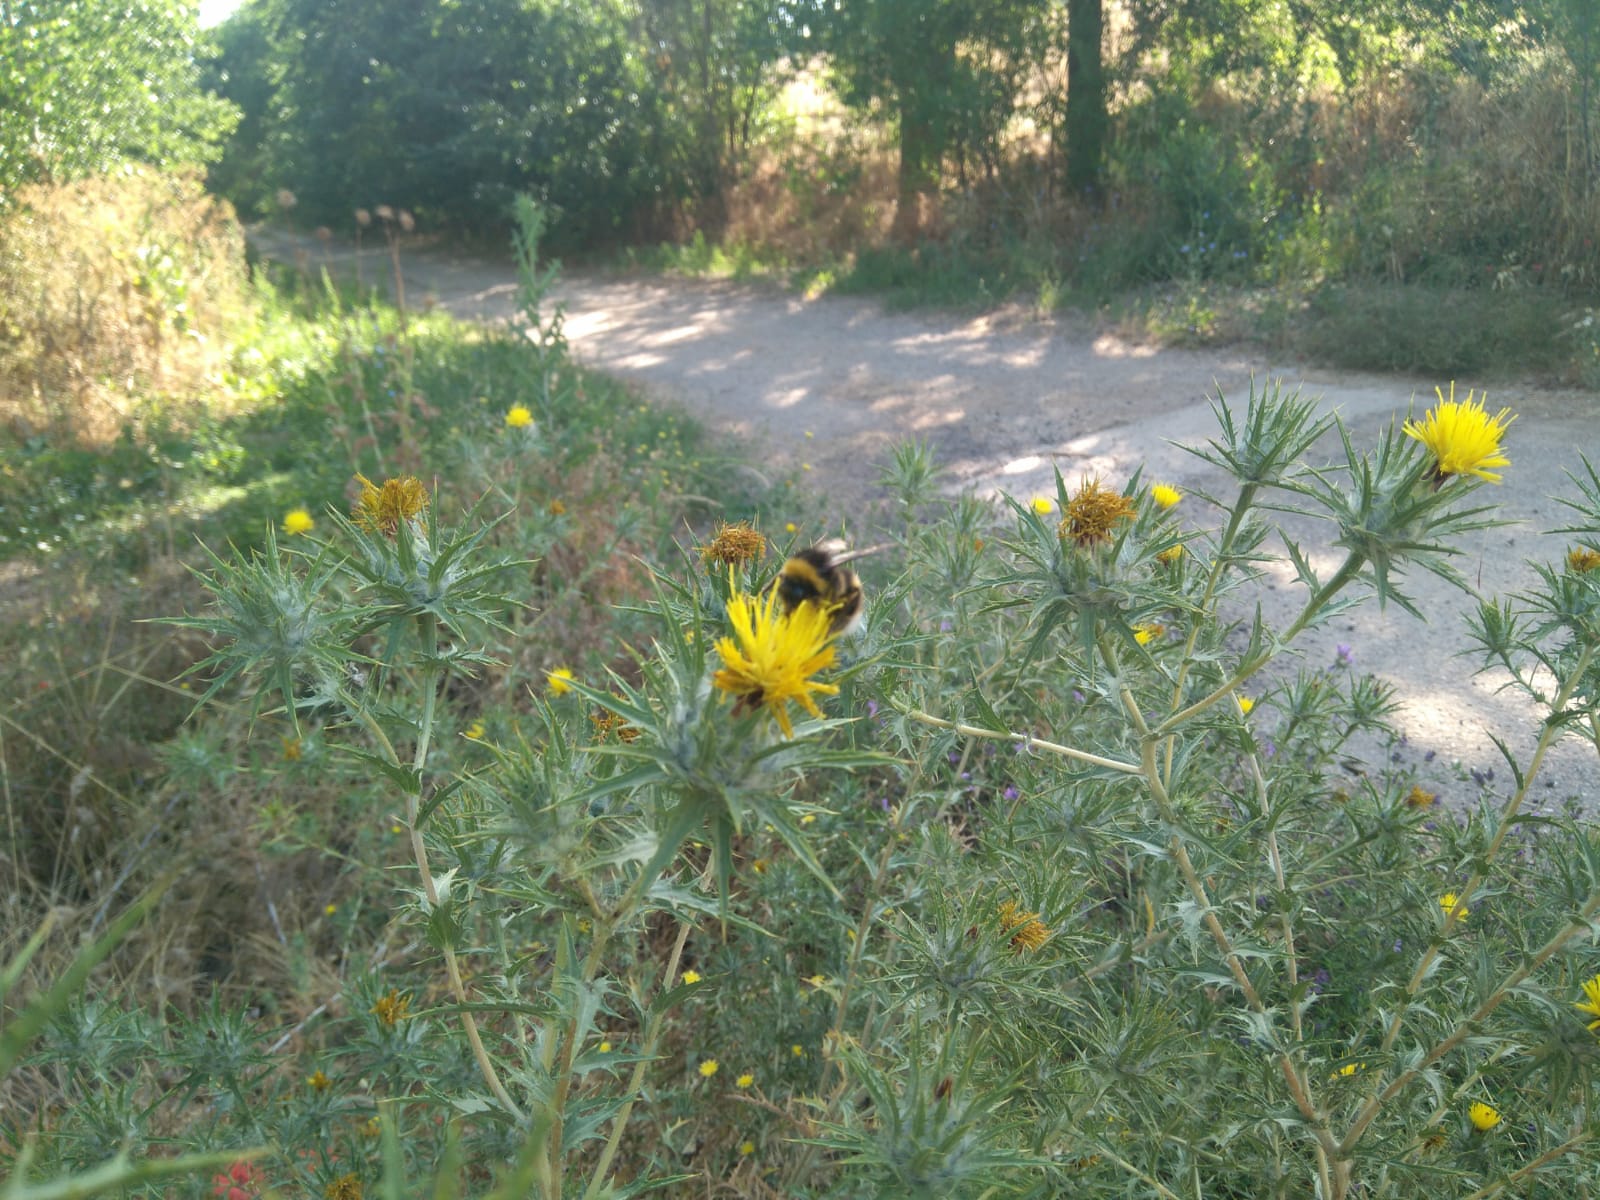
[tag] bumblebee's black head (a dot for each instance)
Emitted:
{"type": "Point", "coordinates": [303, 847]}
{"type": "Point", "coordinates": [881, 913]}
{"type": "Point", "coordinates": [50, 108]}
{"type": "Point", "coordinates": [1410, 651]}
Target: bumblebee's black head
{"type": "Point", "coordinates": [806, 577]}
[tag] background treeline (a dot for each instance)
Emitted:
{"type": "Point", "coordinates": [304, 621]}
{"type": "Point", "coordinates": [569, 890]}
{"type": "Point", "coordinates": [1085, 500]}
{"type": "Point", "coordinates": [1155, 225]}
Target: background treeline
{"type": "Point", "coordinates": [1426, 140]}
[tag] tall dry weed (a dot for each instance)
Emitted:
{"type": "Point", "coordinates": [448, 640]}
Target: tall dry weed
{"type": "Point", "coordinates": [113, 290]}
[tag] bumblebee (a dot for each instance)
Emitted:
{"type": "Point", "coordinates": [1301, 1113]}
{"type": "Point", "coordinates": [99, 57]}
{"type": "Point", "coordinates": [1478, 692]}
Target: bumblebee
{"type": "Point", "coordinates": [818, 575]}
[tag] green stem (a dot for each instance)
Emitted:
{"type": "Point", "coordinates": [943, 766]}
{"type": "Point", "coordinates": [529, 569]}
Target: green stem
{"type": "Point", "coordinates": [1023, 739]}
{"type": "Point", "coordinates": [1317, 601]}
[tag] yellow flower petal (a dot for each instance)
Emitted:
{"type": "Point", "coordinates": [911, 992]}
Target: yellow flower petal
{"type": "Point", "coordinates": [1462, 437]}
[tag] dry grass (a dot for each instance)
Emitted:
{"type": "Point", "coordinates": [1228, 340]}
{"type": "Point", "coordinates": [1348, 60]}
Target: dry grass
{"type": "Point", "coordinates": [113, 290]}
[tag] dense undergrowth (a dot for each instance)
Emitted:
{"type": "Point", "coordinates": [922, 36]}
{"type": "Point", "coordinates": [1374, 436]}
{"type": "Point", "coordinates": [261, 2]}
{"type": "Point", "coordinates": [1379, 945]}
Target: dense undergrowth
{"type": "Point", "coordinates": [519, 841]}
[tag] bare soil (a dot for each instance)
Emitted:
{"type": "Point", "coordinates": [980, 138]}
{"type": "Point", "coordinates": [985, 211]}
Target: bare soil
{"type": "Point", "coordinates": [821, 389]}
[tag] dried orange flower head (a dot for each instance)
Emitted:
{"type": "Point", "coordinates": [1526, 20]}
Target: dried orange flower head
{"type": "Point", "coordinates": [734, 544]}
{"type": "Point", "coordinates": [391, 1008]}
{"type": "Point", "coordinates": [1581, 560]}
{"type": "Point", "coordinates": [381, 509]}
{"type": "Point", "coordinates": [1093, 513]}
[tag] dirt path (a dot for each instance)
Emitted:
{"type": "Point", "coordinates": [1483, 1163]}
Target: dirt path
{"type": "Point", "coordinates": [823, 388]}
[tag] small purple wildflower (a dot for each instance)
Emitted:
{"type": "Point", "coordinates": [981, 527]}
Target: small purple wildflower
{"type": "Point", "coordinates": [1010, 793]}
{"type": "Point", "coordinates": [1343, 656]}
{"type": "Point", "coordinates": [1077, 695]}
{"type": "Point", "coordinates": [872, 708]}
{"type": "Point", "coordinates": [945, 627]}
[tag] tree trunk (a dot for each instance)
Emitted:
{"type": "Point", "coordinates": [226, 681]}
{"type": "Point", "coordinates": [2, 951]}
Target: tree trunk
{"type": "Point", "coordinates": [1086, 122]}
{"type": "Point", "coordinates": [920, 154]}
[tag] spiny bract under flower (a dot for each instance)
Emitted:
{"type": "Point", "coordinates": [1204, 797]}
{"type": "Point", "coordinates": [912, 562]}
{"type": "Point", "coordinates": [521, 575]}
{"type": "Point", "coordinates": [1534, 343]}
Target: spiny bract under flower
{"type": "Point", "coordinates": [381, 509]}
{"type": "Point", "coordinates": [1591, 1002]}
{"type": "Point", "coordinates": [1462, 437]}
{"type": "Point", "coordinates": [772, 656]}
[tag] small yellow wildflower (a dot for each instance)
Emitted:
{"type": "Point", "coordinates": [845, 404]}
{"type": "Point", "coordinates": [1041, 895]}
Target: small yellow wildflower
{"type": "Point", "coordinates": [1462, 437]}
{"type": "Point", "coordinates": [1147, 633]}
{"type": "Point", "coordinates": [329, 909]}
{"type": "Point", "coordinates": [797, 1050]}
{"type": "Point", "coordinates": [297, 521]}
{"type": "Point", "coordinates": [734, 544]}
{"type": "Point", "coordinates": [391, 1008]}
{"type": "Point", "coordinates": [772, 656]}
{"type": "Point", "coordinates": [1245, 704]}
{"type": "Point", "coordinates": [1581, 560]}
{"type": "Point", "coordinates": [1591, 1002]}
{"type": "Point", "coordinates": [292, 748]}
{"type": "Point", "coordinates": [749, 1148]}
{"type": "Point", "coordinates": [691, 976]}
{"type": "Point", "coordinates": [1043, 505]}
{"type": "Point", "coordinates": [808, 819]}
{"type": "Point", "coordinates": [382, 509]}
{"type": "Point", "coordinates": [708, 1068]}
{"type": "Point", "coordinates": [1419, 798]}
{"type": "Point", "coordinates": [556, 508]}
{"type": "Point", "coordinates": [1170, 555]}
{"type": "Point", "coordinates": [518, 416]}
{"type": "Point", "coordinates": [474, 731]}
{"type": "Point", "coordinates": [1448, 903]}
{"type": "Point", "coordinates": [1483, 1117]}
{"type": "Point", "coordinates": [346, 1187]}
{"type": "Point", "coordinates": [559, 680]}
{"type": "Point", "coordinates": [1351, 1068]}
{"type": "Point", "coordinates": [318, 1082]}
{"type": "Point", "coordinates": [1165, 495]}
{"type": "Point", "coordinates": [817, 981]}
{"type": "Point", "coordinates": [373, 1127]}
{"type": "Point", "coordinates": [1093, 512]}
{"type": "Point", "coordinates": [745, 1080]}
{"type": "Point", "coordinates": [605, 1047]}
{"type": "Point", "coordinates": [789, 527]}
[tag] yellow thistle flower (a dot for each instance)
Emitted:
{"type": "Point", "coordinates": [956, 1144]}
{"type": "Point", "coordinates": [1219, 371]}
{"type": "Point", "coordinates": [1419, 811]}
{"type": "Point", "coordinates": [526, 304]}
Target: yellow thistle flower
{"type": "Point", "coordinates": [475, 731]}
{"type": "Point", "coordinates": [391, 1008]}
{"type": "Point", "coordinates": [1043, 505]}
{"type": "Point", "coordinates": [1417, 798]}
{"type": "Point", "coordinates": [1147, 633]}
{"type": "Point", "coordinates": [1581, 560]}
{"type": "Point", "coordinates": [745, 1080]}
{"type": "Point", "coordinates": [318, 1082]}
{"type": "Point", "coordinates": [1462, 437]}
{"type": "Point", "coordinates": [346, 1187]}
{"type": "Point", "coordinates": [1165, 495]}
{"type": "Point", "coordinates": [293, 748]}
{"type": "Point", "coordinates": [1093, 513]}
{"type": "Point", "coordinates": [1448, 903]}
{"type": "Point", "coordinates": [1027, 931]}
{"type": "Point", "coordinates": [1170, 555]}
{"type": "Point", "coordinates": [1245, 704]}
{"type": "Point", "coordinates": [797, 1050]}
{"type": "Point", "coordinates": [297, 521]}
{"type": "Point", "coordinates": [708, 1068]}
{"type": "Point", "coordinates": [381, 509]}
{"type": "Point", "coordinates": [734, 544]}
{"type": "Point", "coordinates": [518, 416]}
{"type": "Point", "coordinates": [605, 1047]}
{"type": "Point", "coordinates": [1349, 1069]}
{"type": "Point", "coordinates": [1591, 1003]}
{"type": "Point", "coordinates": [772, 656]}
{"type": "Point", "coordinates": [747, 1148]}
{"type": "Point", "coordinates": [691, 977]}
{"type": "Point", "coordinates": [559, 681]}
{"type": "Point", "coordinates": [1483, 1117]}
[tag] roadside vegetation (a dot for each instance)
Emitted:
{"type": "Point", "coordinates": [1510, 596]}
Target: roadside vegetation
{"type": "Point", "coordinates": [421, 776]}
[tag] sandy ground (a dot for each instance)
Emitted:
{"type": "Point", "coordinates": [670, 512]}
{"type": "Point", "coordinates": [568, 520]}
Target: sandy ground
{"type": "Point", "coordinates": [1006, 399]}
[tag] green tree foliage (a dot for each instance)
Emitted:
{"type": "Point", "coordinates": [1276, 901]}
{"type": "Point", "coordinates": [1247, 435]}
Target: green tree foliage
{"type": "Point", "coordinates": [451, 110]}
{"type": "Point", "coordinates": [950, 73]}
{"type": "Point", "coordinates": [88, 84]}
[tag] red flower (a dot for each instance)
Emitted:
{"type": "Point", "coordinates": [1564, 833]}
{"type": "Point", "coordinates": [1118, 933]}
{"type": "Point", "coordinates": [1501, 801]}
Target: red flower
{"type": "Point", "coordinates": [242, 1182]}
